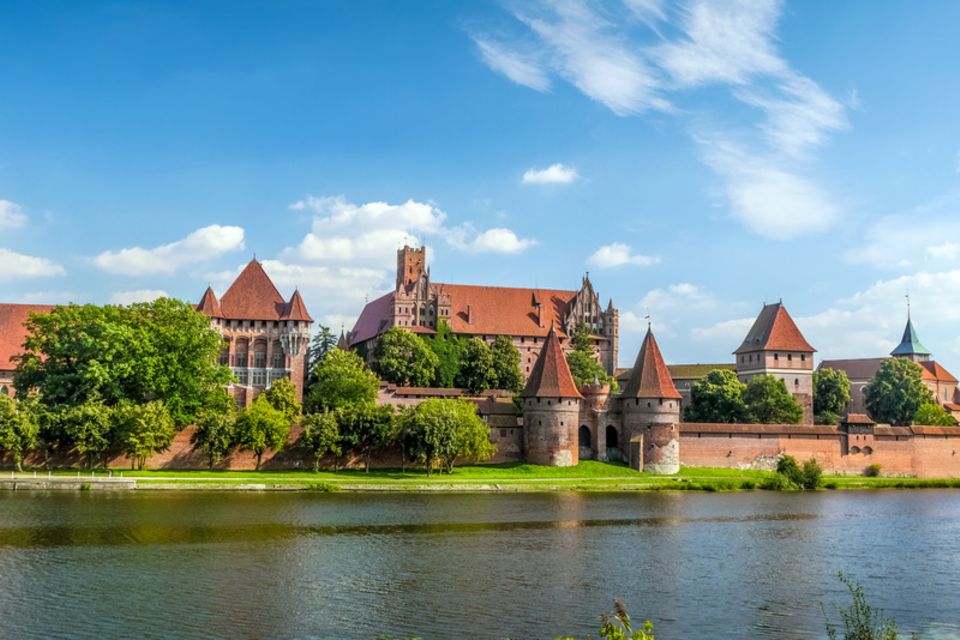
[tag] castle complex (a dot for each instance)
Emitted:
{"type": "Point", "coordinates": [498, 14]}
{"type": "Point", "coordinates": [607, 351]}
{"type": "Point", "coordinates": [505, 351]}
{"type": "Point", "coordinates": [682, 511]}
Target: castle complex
{"type": "Point", "coordinates": [524, 315]}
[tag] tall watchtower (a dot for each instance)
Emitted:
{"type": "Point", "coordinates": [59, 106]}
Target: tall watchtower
{"type": "Point", "coordinates": [551, 409]}
{"type": "Point", "coordinates": [651, 411]}
{"type": "Point", "coordinates": [411, 264]}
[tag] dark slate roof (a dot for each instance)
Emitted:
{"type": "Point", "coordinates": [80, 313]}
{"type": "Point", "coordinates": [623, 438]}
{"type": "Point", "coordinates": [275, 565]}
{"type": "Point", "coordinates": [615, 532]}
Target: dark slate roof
{"type": "Point", "coordinates": [855, 368]}
{"type": "Point", "coordinates": [774, 329]}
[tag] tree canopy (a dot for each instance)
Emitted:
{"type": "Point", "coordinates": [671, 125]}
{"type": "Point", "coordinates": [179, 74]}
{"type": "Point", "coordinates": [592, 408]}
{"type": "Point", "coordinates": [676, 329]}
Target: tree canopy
{"type": "Point", "coordinates": [717, 397]}
{"type": "Point", "coordinates": [582, 360]}
{"type": "Point", "coordinates": [476, 367]}
{"type": "Point", "coordinates": [506, 365]}
{"type": "Point", "coordinates": [261, 427]}
{"type": "Point", "coordinates": [896, 392]}
{"type": "Point", "coordinates": [831, 395]}
{"type": "Point", "coordinates": [448, 348]}
{"type": "Point", "coordinates": [404, 358]}
{"type": "Point", "coordinates": [321, 435]}
{"type": "Point", "coordinates": [282, 395]}
{"type": "Point", "coordinates": [439, 431]}
{"type": "Point", "coordinates": [19, 428]}
{"type": "Point", "coordinates": [341, 379]}
{"type": "Point", "coordinates": [365, 428]}
{"type": "Point", "coordinates": [161, 350]}
{"type": "Point", "coordinates": [768, 402]}
{"type": "Point", "coordinates": [933, 414]}
{"type": "Point", "coordinates": [214, 434]}
{"type": "Point", "coordinates": [142, 430]}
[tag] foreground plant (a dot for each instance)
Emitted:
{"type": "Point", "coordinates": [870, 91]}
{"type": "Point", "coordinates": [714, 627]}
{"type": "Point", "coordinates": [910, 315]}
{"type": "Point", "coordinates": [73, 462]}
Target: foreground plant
{"type": "Point", "coordinates": [860, 621]}
{"type": "Point", "coordinates": [616, 625]}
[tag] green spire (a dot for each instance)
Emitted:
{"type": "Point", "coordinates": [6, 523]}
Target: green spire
{"type": "Point", "coordinates": [910, 344]}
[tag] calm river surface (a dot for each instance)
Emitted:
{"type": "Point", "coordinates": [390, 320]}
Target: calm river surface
{"type": "Point", "coordinates": [247, 565]}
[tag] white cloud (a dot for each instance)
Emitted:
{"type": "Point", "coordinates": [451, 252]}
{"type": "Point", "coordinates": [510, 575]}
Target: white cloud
{"type": "Point", "coordinates": [517, 67]}
{"type": "Point", "coordinates": [727, 332]}
{"type": "Point", "coordinates": [47, 297]}
{"type": "Point", "coordinates": [11, 215]}
{"type": "Point", "coordinates": [18, 265]}
{"type": "Point", "coordinates": [200, 246]}
{"type": "Point", "coordinates": [767, 198]}
{"type": "Point", "coordinates": [496, 240]}
{"type": "Point", "coordinates": [554, 174]}
{"type": "Point", "coordinates": [683, 296]}
{"type": "Point", "coordinates": [138, 295]}
{"type": "Point", "coordinates": [618, 254]}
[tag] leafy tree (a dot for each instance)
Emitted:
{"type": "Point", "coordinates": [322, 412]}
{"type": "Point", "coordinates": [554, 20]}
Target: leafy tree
{"type": "Point", "coordinates": [19, 429]}
{"type": "Point", "coordinates": [366, 428]}
{"type": "Point", "coordinates": [442, 430]}
{"type": "Point", "coordinates": [476, 366]}
{"type": "Point", "coordinates": [404, 358]}
{"type": "Point", "coordinates": [896, 392]}
{"type": "Point", "coordinates": [162, 350]}
{"type": "Point", "coordinates": [448, 348]}
{"type": "Point", "coordinates": [262, 427]}
{"type": "Point", "coordinates": [322, 344]}
{"type": "Point", "coordinates": [86, 426]}
{"type": "Point", "coordinates": [717, 397]}
{"type": "Point", "coordinates": [933, 414]}
{"type": "Point", "coordinates": [768, 402]}
{"type": "Point", "coordinates": [143, 430]}
{"type": "Point", "coordinates": [506, 365]}
{"type": "Point", "coordinates": [215, 428]}
{"type": "Point", "coordinates": [582, 360]}
{"type": "Point", "coordinates": [282, 395]}
{"type": "Point", "coordinates": [321, 435]}
{"type": "Point", "coordinates": [793, 476]}
{"type": "Point", "coordinates": [341, 379]}
{"type": "Point", "coordinates": [831, 394]}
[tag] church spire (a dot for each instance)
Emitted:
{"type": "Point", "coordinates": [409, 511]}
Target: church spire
{"type": "Point", "coordinates": [910, 345]}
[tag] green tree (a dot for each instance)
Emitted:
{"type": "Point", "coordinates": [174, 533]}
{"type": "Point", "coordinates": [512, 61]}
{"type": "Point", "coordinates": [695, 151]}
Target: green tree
{"type": "Point", "coordinates": [506, 365]}
{"type": "Point", "coordinates": [321, 435]}
{"type": "Point", "coordinates": [215, 428]}
{"type": "Point", "coordinates": [831, 394]}
{"type": "Point", "coordinates": [262, 427]}
{"type": "Point", "coordinates": [768, 402]}
{"type": "Point", "coordinates": [439, 431]}
{"type": "Point", "coordinates": [19, 429]}
{"type": "Point", "coordinates": [717, 397]}
{"type": "Point", "coordinates": [366, 428]}
{"type": "Point", "coordinates": [162, 350]}
{"type": "Point", "coordinates": [582, 360]}
{"type": "Point", "coordinates": [448, 348]}
{"type": "Point", "coordinates": [322, 344]}
{"type": "Point", "coordinates": [404, 358]}
{"type": "Point", "coordinates": [87, 427]}
{"type": "Point", "coordinates": [476, 367]}
{"type": "Point", "coordinates": [341, 379]}
{"type": "Point", "coordinates": [896, 392]}
{"type": "Point", "coordinates": [282, 395]}
{"type": "Point", "coordinates": [933, 414]}
{"type": "Point", "coordinates": [142, 430]}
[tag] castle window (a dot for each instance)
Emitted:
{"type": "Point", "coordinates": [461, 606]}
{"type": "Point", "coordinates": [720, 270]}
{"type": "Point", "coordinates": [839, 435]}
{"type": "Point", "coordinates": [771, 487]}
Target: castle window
{"type": "Point", "coordinates": [789, 357]}
{"type": "Point", "coordinates": [648, 405]}
{"type": "Point", "coordinates": [260, 378]}
{"type": "Point", "coordinates": [803, 357]}
{"type": "Point", "coordinates": [776, 357]}
{"type": "Point", "coordinates": [796, 382]}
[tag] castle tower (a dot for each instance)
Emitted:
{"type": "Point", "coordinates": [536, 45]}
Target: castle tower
{"type": "Point", "coordinates": [774, 346]}
{"type": "Point", "coordinates": [551, 408]}
{"type": "Point", "coordinates": [910, 346]}
{"type": "Point", "coordinates": [651, 411]}
{"type": "Point", "coordinates": [411, 265]}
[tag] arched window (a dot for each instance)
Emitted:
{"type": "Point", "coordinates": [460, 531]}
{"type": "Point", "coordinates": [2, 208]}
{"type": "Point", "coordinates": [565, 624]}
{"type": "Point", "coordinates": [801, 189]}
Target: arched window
{"type": "Point", "coordinates": [613, 438]}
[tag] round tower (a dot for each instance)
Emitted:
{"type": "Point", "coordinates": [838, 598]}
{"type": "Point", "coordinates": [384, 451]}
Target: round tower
{"type": "Point", "coordinates": [651, 412]}
{"type": "Point", "coordinates": [551, 409]}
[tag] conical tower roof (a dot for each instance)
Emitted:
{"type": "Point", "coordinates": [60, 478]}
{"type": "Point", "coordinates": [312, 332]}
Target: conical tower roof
{"type": "Point", "coordinates": [650, 377]}
{"type": "Point", "coordinates": [296, 309]}
{"type": "Point", "coordinates": [253, 296]}
{"type": "Point", "coordinates": [774, 329]}
{"type": "Point", "coordinates": [910, 344]}
{"type": "Point", "coordinates": [342, 343]}
{"type": "Point", "coordinates": [551, 377]}
{"type": "Point", "coordinates": [209, 305]}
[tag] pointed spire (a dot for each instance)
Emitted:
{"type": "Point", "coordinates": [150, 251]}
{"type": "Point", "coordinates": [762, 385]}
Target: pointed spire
{"type": "Point", "coordinates": [209, 305]}
{"type": "Point", "coordinates": [551, 377]}
{"type": "Point", "coordinates": [342, 343]}
{"type": "Point", "coordinates": [296, 309]}
{"type": "Point", "coordinates": [253, 296]}
{"type": "Point", "coordinates": [910, 344]}
{"type": "Point", "coordinates": [650, 377]}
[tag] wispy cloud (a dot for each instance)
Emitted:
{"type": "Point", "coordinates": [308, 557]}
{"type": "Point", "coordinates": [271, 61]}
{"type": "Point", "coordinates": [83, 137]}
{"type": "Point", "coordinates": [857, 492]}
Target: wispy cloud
{"type": "Point", "coordinates": [11, 215]}
{"type": "Point", "coordinates": [18, 265]}
{"type": "Point", "coordinates": [617, 254]}
{"type": "Point", "coordinates": [200, 246]}
{"type": "Point", "coordinates": [138, 295]}
{"type": "Point", "coordinates": [554, 174]}
{"type": "Point", "coordinates": [521, 69]}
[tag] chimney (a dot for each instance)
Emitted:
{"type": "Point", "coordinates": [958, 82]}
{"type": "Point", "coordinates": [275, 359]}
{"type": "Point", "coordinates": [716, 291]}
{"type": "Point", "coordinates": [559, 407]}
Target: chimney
{"type": "Point", "coordinates": [469, 314]}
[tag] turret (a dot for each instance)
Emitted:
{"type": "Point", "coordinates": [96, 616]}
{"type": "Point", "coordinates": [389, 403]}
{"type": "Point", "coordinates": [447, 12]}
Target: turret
{"type": "Point", "coordinates": [551, 408]}
{"type": "Point", "coordinates": [910, 346]}
{"type": "Point", "coordinates": [651, 412]}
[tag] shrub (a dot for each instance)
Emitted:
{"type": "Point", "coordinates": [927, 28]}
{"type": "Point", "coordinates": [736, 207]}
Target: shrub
{"type": "Point", "coordinates": [812, 475]}
{"type": "Point", "coordinates": [860, 621]}
{"type": "Point", "coordinates": [748, 485]}
{"type": "Point", "coordinates": [873, 471]}
{"type": "Point", "coordinates": [791, 476]}
{"type": "Point", "coordinates": [787, 467]}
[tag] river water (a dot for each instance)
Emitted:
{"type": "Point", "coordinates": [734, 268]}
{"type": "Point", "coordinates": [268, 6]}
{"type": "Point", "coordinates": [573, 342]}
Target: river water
{"type": "Point", "coordinates": [279, 565]}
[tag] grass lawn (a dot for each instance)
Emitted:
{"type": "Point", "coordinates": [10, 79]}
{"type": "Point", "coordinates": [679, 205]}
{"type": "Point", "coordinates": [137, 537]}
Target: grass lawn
{"type": "Point", "coordinates": [587, 476]}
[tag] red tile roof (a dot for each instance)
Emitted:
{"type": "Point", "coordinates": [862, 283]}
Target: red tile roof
{"type": "Point", "coordinates": [253, 296]}
{"type": "Point", "coordinates": [858, 418]}
{"type": "Point", "coordinates": [774, 329]}
{"type": "Point", "coordinates": [936, 372]}
{"type": "Point", "coordinates": [478, 310]}
{"type": "Point", "coordinates": [551, 377]}
{"type": "Point", "coordinates": [650, 377]}
{"type": "Point", "coordinates": [13, 332]}
{"type": "Point", "coordinates": [209, 305]}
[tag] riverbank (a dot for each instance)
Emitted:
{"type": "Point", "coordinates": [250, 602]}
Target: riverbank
{"type": "Point", "coordinates": [511, 477]}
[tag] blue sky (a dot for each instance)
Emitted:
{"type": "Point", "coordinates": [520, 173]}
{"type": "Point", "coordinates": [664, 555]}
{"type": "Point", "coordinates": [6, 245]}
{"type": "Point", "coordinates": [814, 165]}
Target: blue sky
{"type": "Point", "coordinates": [698, 158]}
